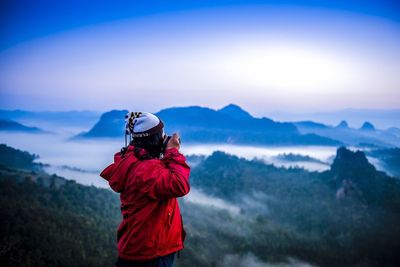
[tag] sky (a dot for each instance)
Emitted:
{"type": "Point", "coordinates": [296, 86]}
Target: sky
{"type": "Point", "coordinates": [266, 56]}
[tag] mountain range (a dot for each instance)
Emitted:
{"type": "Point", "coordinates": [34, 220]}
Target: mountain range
{"type": "Point", "coordinates": [383, 119]}
{"type": "Point", "coordinates": [230, 124]}
{"type": "Point", "coordinates": [234, 125]}
{"type": "Point", "coordinates": [366, 135]}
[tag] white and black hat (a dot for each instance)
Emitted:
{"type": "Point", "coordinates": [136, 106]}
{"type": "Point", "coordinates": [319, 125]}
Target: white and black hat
{"type": "Point", "coordinates": [142, 124]}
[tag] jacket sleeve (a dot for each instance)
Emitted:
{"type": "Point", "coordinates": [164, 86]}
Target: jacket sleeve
{"type": "Point", "coordinates": [171, 176]}
{"type": "Point", "coordinates": [113, 173]}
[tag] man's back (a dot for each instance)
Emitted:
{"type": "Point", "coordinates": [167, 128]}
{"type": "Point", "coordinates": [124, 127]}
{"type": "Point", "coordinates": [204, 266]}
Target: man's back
{"type": "Point", "coordinates": [152, 224]}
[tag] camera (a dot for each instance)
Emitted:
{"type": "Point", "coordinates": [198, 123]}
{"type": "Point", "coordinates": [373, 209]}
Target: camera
{"type": "Point", "coordinates": [166, 139]}
{"type": "Point", "coordinates": [165, 142]}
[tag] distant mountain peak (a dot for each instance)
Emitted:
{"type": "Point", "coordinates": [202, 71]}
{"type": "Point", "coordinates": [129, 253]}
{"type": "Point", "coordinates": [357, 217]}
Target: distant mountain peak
{"type": "Point", "coordinates": [343, 125]}
{"type": "Point", "coordinates": [235, 111]}
{"type": "Point", "coordinates": [111, 123]}
{"type": "Point", "coordinates": [367, 126]}
{"type": "Point", "coordinates": [351, 164]}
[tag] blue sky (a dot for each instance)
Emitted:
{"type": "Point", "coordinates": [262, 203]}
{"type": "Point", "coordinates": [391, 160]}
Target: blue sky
{"type": "Point", "coordinates": [296, 56]}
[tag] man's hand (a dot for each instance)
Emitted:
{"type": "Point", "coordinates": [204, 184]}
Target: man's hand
{"type": "Point", "coordinates": [175, 141]}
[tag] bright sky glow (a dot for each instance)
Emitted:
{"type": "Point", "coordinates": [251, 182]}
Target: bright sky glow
{"type": "Point", "coordinates": [264, 58]}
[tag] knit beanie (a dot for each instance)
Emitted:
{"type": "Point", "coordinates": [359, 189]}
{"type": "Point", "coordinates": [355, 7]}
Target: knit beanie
{"type": "Point", "coordinates": [142, 124]}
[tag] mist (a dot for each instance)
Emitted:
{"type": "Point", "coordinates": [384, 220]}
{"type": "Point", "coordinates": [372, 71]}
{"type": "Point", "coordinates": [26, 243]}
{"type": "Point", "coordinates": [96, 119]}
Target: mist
{"type": "Point", "coordinates": [83, 160]}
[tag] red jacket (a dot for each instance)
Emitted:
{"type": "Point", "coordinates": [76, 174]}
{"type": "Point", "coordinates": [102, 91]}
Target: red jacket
{"type": "Point", "coordinates": [152, 224]}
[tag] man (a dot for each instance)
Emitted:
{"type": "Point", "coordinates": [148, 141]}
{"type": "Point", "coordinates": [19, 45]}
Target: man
{"type": "Point", "coordinates": [149, 178]}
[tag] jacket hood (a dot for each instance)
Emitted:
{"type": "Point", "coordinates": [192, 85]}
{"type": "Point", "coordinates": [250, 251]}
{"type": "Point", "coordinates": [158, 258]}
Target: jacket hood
{"type": "Point", "coordinates": [117, 172]}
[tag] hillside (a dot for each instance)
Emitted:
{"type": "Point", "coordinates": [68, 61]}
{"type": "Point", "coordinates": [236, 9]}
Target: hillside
{"type": "Point", "coordinates": [250, 212]}
{"type": "Point", "coordinates": [390, 158]}
{"type": "Point", "coordinates": [326, 219]}
{"type": "Point", "coordinates": [50, 221]}
{"type": "Point", "coordinates": [17, 159]}
{"type": "Point", "coordinates": [12, 126]}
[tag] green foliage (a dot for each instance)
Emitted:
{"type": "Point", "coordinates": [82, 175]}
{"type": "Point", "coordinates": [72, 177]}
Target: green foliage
{"type": "Point", "coordinates": [15, 158]}
{"type": "Point", "coordinates": [347, 216]}
{"type": "Point", "coordinates": [65, 225]}
{"type": "Point", "coordinates": [302, 216]}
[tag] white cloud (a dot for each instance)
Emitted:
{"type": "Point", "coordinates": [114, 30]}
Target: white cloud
{"type": "Point", "coordinates": [249, 260]}
{"type": "Point", "coordinates": [198, 197]}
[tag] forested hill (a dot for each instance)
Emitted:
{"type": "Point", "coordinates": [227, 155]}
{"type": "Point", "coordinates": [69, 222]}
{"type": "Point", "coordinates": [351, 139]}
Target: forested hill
{"type": "Point", "coordinates": [50, 221]}
{"type": "Point", "coordinates": [238, 213]}
{"type": "Point", "coordinates": [346, 216]}
{"type": "Point", "coordinates": [17, 159]}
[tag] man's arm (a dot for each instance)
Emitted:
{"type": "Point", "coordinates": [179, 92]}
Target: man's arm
{"type": "Point", "coordinates": [171, 176]}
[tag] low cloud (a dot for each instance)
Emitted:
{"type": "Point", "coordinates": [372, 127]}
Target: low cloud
{"type": "Point", "coordinates": [249, 260]}
{"type": "Point", "coordinates": [198, 197]}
